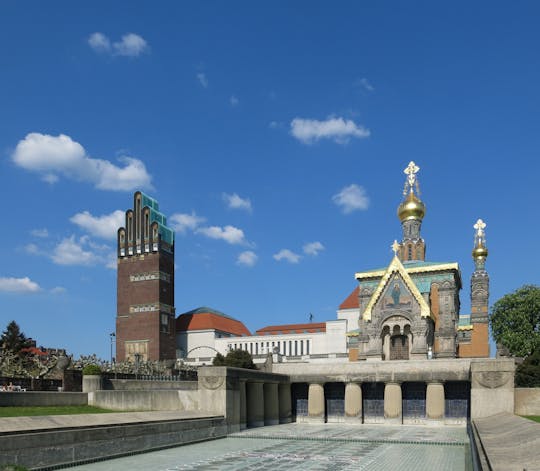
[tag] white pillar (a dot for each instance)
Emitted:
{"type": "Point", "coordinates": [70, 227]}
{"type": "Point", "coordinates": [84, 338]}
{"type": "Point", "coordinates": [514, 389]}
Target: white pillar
{"type": "Point", "coordinates": [353, 403]}
{"type": "Point", "coordinates": [316, 403]}
{"type": "Point", "coordinates": [435, 402]}
{"type": "Point", "coordinates": [393, 403]}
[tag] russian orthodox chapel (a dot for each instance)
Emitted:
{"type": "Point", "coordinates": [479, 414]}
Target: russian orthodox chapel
{"type": "Point", "coordinates": [410, 309]}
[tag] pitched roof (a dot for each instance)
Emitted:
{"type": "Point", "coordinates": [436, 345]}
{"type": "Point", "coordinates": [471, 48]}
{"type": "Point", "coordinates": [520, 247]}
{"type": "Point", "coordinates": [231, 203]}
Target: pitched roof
{"type": "Point", "coordinates": [312, 327]}
{"type": "Point", "coordinates": [351, 301]}
{"type": "Point", "coordinates": [204, 318]}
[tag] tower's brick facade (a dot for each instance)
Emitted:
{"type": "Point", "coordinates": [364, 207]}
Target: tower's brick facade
{"type": "Point", "coordinates": [145, 319]}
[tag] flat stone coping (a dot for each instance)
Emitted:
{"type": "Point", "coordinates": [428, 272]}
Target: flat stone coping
{"type": "Point", "coordinates": [510, 442]}
{"type": "Point", "coordinates": [12, 425]}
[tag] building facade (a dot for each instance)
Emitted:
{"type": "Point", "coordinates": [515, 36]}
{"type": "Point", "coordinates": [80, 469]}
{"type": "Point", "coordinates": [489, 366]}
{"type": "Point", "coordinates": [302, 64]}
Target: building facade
{"type": "Point", "coordinates": [408, 310]}
{"type": "Point", "coordinates": [145, 316]}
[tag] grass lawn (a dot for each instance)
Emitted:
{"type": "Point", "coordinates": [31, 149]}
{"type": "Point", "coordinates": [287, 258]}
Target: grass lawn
{"type": "Point", "coordinates": [536, 418]}
{"type": "Point", "coordinates": [52, 410]}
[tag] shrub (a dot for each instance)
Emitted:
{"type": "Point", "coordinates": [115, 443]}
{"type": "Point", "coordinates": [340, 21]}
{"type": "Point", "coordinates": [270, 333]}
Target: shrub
{"type": "Point", "coordinates": [91, 369]}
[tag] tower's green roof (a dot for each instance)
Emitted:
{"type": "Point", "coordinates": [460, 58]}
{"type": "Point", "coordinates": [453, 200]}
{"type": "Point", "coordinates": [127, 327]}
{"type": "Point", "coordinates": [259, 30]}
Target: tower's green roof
{"type": "Point", "coordinates": [167, 234]}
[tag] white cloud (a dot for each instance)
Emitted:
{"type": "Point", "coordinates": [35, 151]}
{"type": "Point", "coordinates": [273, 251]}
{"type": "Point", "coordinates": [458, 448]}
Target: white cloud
{"type": "Point", "coordinates": [201, 77]}
{"type": "Point", "coordinates": [41, 233]}
{"type": "Point", "coordinates": [99, 42]}
{"type": "Point", "coordinates": [71, 252]}
{"type": "Point", "coordinates": [339, 130]}
{"type": "Point", "coordinates": [105, 226]}
{"type": "Point", "coordinates": [181, 222]}
{"type": "Point", "coordinates": [275, 124]}
{"type": "Point", "coordinates": [351, 198]}
{"type": "Point", "coordinates": [32, 249]}
{"type": "Point", "coordinates": [18, 285]}
{"type": "Point", "coordinates": [58, 290]}
{"type": "Point", "coordinates": [234, 101]}
{"type": "Point", "coordinates": [131, 44]}
{"type": "Point", "coordinates": [236, 202]}
{"type": "Point", "coordinates": [247, 258]}
{"type": "Point", "coordinates": [51, 156]}
{"type": "Point", "coordinates": [364, 83]}
{"type": "Point", "coordinates": [288, 255]}
{"type": "Point", "coordinates": [313, 248]}
{"type": "Point", "coordinates": [229, 234]}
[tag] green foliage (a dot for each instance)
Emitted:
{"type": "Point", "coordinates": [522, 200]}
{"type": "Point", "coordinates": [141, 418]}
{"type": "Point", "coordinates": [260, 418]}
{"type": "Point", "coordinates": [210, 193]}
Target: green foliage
{"type": "Point", "coordinates": [536, 418]}
{"type": "Point", "coordinates": [13, 339]}
{"type": "Point", "coordinates": [515, 320]}
{"type": "Point", "coordinates": [91, 369]}
{"type": "Point", "coordinates": [528, 373]}
{"type": "Point", "coordinates": [219, 360]}
{"type": "Point", "coordinates": [12, 467]}
{"type": "Point", "coordinates": [235, 358]}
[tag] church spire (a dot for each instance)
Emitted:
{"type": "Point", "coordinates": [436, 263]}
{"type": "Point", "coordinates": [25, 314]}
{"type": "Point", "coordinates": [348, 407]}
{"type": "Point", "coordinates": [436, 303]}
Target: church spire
{"type": "Point", "coordinates": [411, 211]}
{"type": "Point", "coordinates": [480, 278]}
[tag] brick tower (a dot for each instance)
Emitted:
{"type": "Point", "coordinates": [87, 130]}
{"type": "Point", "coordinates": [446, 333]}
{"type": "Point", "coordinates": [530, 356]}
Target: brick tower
{"type": "Point", "coordinates": [145, 317]}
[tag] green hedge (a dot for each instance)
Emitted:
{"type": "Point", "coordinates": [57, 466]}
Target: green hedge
{"type": "Point", "coordinates": [91, 370]}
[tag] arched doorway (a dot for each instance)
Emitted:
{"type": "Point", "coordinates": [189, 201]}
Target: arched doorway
{"type": "Point", "coordinates": [399, 345]}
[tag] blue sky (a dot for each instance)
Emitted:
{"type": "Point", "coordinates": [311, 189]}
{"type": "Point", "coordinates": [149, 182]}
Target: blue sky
{"type": "Point", "coordinates": [259, 127]}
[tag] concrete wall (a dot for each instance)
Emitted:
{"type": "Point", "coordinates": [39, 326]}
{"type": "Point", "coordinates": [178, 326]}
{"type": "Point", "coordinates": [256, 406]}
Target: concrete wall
{"type": "Point", "coordinates": [42, 398]}
{"type": "Point", "coordinates": [527, 401]}
{"type": "Point", "coordinates": [492, 387]}
{"type": "Point", "coordinates": [145, 400]}
{"type": "Point", "coordinates": [58, 447]}
{"type": "Point", "coordinates": [376, 371]}
{"type": "Point", "coordinates": [146, 385]}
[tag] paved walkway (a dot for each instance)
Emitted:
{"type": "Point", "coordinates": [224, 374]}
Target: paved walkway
{"type": "Point", "coordinates": [510, 442]}
{"type": "Point", "coordinates": [40, 423]}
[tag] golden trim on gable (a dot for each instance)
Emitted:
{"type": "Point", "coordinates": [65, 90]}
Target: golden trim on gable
{"type": "Point", "coordinates": [423, 269]}
{"type": "Point", "coordinates": [397, 266]}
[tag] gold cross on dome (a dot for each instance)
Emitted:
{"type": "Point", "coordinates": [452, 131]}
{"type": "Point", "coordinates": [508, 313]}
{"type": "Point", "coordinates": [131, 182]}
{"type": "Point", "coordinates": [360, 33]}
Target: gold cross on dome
{"type": "Point", "coordinates": [411, 171]}
{"type": "Point", "coordinates": [395, 247]}
{"type": "Point", "coordinates": [480, 226]}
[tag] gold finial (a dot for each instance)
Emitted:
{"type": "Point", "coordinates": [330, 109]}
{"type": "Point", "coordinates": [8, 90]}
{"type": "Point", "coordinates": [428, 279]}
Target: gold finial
{"type": "Point", "coordinates": [412, 181]}
{"type": "Point", "coordinates": [480, 251]}
{"type": "Point", "coordinates": [395, 247]}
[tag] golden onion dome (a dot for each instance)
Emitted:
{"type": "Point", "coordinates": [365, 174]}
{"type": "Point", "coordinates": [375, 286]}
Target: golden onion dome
{"type": "Point", "coordinates": [480, 252]}
{"type": "Point", "coordinates": [411, 208]}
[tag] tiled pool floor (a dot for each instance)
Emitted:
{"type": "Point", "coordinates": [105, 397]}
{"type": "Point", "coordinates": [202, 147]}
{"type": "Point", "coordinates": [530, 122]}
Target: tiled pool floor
{"type": "Point", "coordinates": [310, 447]}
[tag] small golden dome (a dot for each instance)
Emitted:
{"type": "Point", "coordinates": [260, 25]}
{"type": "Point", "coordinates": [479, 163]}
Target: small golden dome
{"type": "Point", "coordinates": [411, 208]}
{"type": "Point", "coordinates": [480, 252]}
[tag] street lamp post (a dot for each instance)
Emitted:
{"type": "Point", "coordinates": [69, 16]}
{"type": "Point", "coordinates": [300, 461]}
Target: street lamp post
{"type": "Point", "coordinates": [112, 335]}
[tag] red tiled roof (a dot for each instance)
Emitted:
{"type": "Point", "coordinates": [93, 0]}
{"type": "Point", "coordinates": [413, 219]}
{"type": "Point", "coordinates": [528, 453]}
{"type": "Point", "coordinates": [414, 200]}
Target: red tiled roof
{"type": "Point", "coordinates": [293, 328]}
{"type": "Point", "coordinates": [201, 319]}
{"type": "Point", "coordinates": [351, 301]}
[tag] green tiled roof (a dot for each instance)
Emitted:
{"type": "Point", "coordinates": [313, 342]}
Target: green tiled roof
{"type": "Point", "coordinates": [167, 234]}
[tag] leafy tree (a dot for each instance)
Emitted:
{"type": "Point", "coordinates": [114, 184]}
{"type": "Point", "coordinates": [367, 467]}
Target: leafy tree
{"type": "Point", "coordinates": [13, 339]}
{"type": "Point", "coordinates": [235, 358]}
{"type": "Point", "coordinates": [219, 360]}
{"type": "Point", "coordinates": [528, 373]}
{"type": "Point", "coordinates": [515, 320]}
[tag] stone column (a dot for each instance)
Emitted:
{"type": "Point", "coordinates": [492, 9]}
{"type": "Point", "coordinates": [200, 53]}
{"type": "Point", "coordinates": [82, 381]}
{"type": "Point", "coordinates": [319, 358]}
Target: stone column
{"type": "Point", "coordinates": [255, 404]}
{"type": "Point", "coordinates": [243, 405]}
{"type": "Point", "coordinates": [435, 402]}
{"type": "Point", "coordinates": [392, 403]}
{"type": "Point", "coordinates": [271, 404]}
{"type": "Point", "coordinates": [316, 403]}
{"type": "Point", "coordinates": [353, 403]}
{"type": "Point", "coordinates": [285, 403]}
